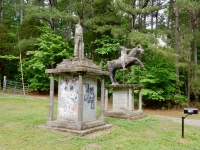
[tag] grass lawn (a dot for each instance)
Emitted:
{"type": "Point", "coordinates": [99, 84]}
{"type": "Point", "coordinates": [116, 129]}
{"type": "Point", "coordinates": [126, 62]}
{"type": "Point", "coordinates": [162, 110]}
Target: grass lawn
{"type": "Point", "coordinates": [19, 118]}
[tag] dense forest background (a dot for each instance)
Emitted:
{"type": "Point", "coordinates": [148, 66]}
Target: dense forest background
{"type": "Point", "coordinates": [37, 34]}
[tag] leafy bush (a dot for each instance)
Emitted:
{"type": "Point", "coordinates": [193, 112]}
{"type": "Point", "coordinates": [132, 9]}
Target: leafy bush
{"type": "Point", "coordinates": [51, 50]}
{"type": "Point", "coordinates": [159, 80]}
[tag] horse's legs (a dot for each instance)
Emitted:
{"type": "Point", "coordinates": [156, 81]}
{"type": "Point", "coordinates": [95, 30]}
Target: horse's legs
{"type": "Point", "coordinates": [111, 75]}
{"type": "Point", "coordinates": [137, 61]}
{"type": "Point", "coordinates": [110, 70]}
{"type": "Point", "coordinates": [115, 81]}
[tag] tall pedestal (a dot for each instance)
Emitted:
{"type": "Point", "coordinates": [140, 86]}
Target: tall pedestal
{"type": "Point", "coordinates": [77, 97]}
{"type": "Point", "coordinates": [123, 101]}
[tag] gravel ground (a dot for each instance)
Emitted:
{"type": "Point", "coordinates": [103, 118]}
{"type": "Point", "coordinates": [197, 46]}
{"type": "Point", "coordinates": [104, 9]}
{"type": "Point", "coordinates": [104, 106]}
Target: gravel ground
{"type": "Point", "coordinates": [179, 120]}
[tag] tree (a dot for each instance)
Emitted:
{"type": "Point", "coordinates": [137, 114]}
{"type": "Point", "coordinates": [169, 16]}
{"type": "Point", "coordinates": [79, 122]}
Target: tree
{"type": "Point", "coordinates": [176, 41]}
{"type": "Point", "coordinates": [135, 9]}
{"type": "Point", "coordinates": [48, 14]}
{"type": "Point", "coordinates": [107, 47]}
{"type": "Point", "coordinates": [51, 50]}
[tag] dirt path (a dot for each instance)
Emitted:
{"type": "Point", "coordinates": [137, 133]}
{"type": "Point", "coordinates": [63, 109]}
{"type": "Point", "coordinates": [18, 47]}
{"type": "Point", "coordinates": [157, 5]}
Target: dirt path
{"type": "Point", "coordinates": [179, 120]}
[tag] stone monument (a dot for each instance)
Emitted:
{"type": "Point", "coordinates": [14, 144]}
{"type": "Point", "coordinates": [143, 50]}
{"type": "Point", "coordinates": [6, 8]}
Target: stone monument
{"type": "Point", "coordinates": [77, 93]}
{"type": "Point", "coordinates": [78, 42]}
{"type": "Point", "coordinates": [123, 94]}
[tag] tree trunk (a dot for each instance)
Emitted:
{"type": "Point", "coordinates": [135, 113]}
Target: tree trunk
{"type": "Point", "coordinates": [68, 23]}
{"type": "Point", "coordinates": [133, 16]}
{"type": "Point", "coordinates": [158, 3]}
{"type": "Point", "coordinates": [22, 11]}
{"type": "Point", "coordinates": [188, 87]}
{"type": "Point", "coordinates": [69, 30]}
{"type": "Point", "coordinates": [195, 31]}
{"type": "Point", "coordinates": [177, 45]}
{"type": "Point", "coordinates": [1, 11]}
{"type": "Point", "coordinates": [52, 4]}
{"type": "Point", "coordinates": [152, 2]}
{"type": "Point", "coordinates": [92, 55]}
{"type": "Point", "coordinates": [170, 25]}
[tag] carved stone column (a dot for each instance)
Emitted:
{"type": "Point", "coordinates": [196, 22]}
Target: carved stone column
{"type": "Point", "coordinates": [80, 101]}
{"type": "Point", "coordinates": [102, 99]}
{"type": "Point", "coordinates": [51, 100]}
{"type": "Point", "coordinates": [140, 99]}
{"type": "Point", "coordinates": [130, 99]}
{"type": "Point", "coordinates": [106, 99]}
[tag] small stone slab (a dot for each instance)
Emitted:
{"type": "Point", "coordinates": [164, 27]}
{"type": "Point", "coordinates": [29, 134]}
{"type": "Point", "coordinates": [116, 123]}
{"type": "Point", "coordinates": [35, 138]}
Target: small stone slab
{"type": "Point", "coordinates": [79, 132]}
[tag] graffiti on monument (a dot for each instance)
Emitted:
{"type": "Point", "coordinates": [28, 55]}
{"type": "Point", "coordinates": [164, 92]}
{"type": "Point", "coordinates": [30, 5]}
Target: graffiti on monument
{"type": "Point", "coordinates": [89, 96]}
{"type": "Point", "coordinates": [69, 98]}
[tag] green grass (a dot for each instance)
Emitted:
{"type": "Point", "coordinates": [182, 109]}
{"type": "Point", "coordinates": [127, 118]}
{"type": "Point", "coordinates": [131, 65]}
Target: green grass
{"type": "Point", "coordinates": [18, 121]}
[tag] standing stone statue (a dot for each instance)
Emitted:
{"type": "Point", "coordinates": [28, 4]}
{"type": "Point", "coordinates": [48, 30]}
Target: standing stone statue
{"type": "Point", "coordinates": [78, 40]}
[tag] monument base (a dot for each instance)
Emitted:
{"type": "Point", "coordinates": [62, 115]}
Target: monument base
{"type": "Point", "coordinates": [123, 101]}
{"type": "Point", "coordinates": [77, 97]}
{"type": "Point", "coordinates": [132, 115]}
{"type": "Point", "coordinates": [79, 132]}
{"type": "Point", "coordinates": [74, 125]}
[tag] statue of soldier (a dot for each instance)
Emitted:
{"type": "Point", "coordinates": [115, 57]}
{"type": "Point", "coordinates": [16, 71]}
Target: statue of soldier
{"type": "Point", "coordinates": [78, 42]}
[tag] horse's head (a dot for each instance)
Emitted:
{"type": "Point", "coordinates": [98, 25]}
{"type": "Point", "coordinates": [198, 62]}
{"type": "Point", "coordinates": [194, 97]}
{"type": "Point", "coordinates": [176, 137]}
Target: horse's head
{"type": "Point", "coordinates": [140, 49]}
{"type": "Point", "coordinates": [135, 51]}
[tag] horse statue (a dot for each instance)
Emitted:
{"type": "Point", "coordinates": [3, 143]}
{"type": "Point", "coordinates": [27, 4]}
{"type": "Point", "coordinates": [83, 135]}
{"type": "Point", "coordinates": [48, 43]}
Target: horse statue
{"type": "Point", "coordinates": [128, 60]}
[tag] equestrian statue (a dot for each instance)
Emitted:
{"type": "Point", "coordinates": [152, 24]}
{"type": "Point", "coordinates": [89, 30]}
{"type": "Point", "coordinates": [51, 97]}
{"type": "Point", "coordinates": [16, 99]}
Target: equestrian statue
{"type": "Point", "coordinates": [124, 61]}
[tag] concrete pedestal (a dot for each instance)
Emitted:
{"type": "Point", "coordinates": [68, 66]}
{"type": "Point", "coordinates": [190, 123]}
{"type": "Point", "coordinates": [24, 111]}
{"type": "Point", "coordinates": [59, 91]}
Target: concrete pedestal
{"type": "Point", "coordinates": [77, 97]}
{"type": "Point", "coordinates": [123, 101]}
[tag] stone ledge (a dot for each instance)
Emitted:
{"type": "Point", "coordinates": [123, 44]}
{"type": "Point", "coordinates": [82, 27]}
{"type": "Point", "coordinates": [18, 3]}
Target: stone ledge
{"type": "Point", "coordinates": [76, 65]}
{"type": "Point", "coordinates": [79, 132]}
{"type": "Point", "coordinates": [132, 115]}
{"type": "Point", "coordinates": [124, 86]}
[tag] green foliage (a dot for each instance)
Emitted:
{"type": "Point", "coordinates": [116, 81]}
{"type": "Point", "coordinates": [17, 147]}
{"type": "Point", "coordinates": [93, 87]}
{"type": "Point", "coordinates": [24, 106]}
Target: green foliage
{"type": "Point", "coordinates": [104, 19]}
{"type": "Point", "coordinates": [51, 50]}
{"type": "Point", "coordinates": [30, 29]}
{"type": "Point", "coordinates": [195, 85]}
{"type": "Point", "coordinates": [145, 39]}
{"type": "Point", "coordinates": [6, 54]}
{"type": "Point", "coordinates": [9, 57]}
{"type": "Point", "coordinates": [5, 46]}
{"type": "Point", "coordinates": [134, 11]}
{"type": "Point", "coordinates": [107, 46]}
{"type": "Point", "coordinates": [158, 79]}
{"type": "Point", "coordinates": [46, 13]}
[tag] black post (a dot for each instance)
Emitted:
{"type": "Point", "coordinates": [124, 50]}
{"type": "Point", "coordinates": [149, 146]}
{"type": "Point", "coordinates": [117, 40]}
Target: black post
{"type": "Point", "coordinates": [183, 127]}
